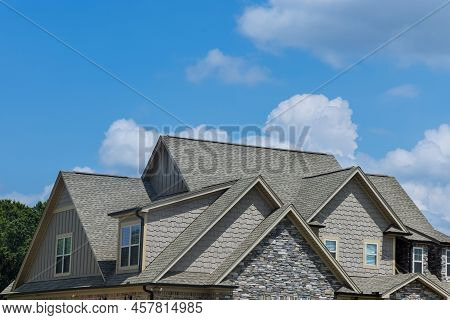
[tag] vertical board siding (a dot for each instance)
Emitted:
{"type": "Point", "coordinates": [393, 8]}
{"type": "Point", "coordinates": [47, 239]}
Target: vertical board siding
{"type": "Point", "coordinates": [82, 261]}
{"type": "Point", "coordinates": [352, 218]}
{"type": "Point", "coordinates": [164, 176]}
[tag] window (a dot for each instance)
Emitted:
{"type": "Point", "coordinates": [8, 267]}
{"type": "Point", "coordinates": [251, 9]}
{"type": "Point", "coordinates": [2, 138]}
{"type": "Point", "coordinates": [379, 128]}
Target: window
{"type": "Point", "coordinates": [130, 238]}
{"type": "Point", "coordinates": [448, 263]}
{"type": "Point", "coordinates": [63, 253]}
{"type": "Point", "coordinates": [417, 260]}
{"type": "Point", "coordinates": [371, 255]}
{"type": "Point", "coordinates": [332, 247]}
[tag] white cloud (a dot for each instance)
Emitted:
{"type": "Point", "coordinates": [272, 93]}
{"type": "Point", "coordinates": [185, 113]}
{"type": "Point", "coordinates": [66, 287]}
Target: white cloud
{"type": "Point", "coordinates": [83, 169]}
{"type": "Point", "coordinates": [127, 145]}
{"type": "Point", "coordinates": [428, 160]}
{"type": "Point", "coordinates": [228, 69]}
{"type": "Point", "coordinates": [403, 91]}
{"type": "Point", "coordinates": [424, 172]}
{"type": "Point", "coordinates": [330, 122]}
{"type": "Point", "coordinates": [29, 199]}
{"type": "Point", "coordinates": [339, 30]}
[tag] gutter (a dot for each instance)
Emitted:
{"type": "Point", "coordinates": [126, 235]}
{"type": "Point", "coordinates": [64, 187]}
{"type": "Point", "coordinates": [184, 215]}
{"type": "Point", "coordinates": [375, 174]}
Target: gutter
{"type": "Point", "coordinates": [151, 295]}
{"type": "Point", "coordinates": [141, 241]}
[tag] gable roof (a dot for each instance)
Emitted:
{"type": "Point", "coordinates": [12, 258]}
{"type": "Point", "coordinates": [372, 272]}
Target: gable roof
{"type": "Point", "coordinates": [384, 286]}
{"type": "Point", "coordinates": [261, 231]}
{"type": "Point", "coordinates": [202, 163]}
{"type": "Point", "coordinates": [198, 228]}
{"type": "Point", "coordinates": [94, 196]}
{"type": "Point", "coordinates": [405, 208]}
{"type": "Point", "coordinates": [340, 179]}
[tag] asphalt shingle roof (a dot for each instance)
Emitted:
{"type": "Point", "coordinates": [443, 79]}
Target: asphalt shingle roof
{"type": "Point", "coordinates": [315, 190]}
{"type": "Point", "coordinates": [404, 207]}
{"type": "Point", "coordinates": [383, 284]}
{"type": "Point", "coordinates": [195, 229]}
{"type": "Point", "coordinates": [94, 196]}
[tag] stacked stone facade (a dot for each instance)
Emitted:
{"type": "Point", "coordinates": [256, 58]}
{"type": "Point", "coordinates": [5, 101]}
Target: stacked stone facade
{"type": "Point", "coordinates": [415, 291]}
{"type": "Point", "coordinates": [283, 266]}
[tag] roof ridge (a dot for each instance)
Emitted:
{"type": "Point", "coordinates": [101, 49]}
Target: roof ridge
{"type": "Point", "coordinates": [379, 175]}
{"type": "Point", "coordinates": [330, 172]}
{"type": "Point", "coordinates": [99, 174]}
{"type": "Point", "coordinates": [248, 145]}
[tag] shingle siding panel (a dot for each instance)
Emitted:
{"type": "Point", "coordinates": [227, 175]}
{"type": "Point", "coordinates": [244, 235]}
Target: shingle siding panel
{"type": "Point", "coordinates": [226, 235]}
{"type": "Point", "coordinates": [352, 218]}
{"type": "Point", "coordinates": [165, 224]}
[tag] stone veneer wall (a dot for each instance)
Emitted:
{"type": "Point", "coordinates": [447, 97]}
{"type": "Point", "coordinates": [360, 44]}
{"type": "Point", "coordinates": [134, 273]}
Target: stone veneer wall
{"type": "Point", "coordinates": [415, 291]}
{"type": "Point", "coordinates": [444, 276]}
{"type": "Point", "coordinates": [283, 266]}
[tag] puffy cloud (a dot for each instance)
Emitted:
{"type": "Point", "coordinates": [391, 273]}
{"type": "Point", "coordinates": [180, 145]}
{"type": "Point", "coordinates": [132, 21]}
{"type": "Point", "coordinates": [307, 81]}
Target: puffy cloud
{"type": "Point", "coordinates": [127, 145]}
{"type": "Point", "coordinates": [338, 30]}
{"type": "Point", "coordinates": [330, 122]}
{"type": "Point", "coordinates": [424, 172]}
{"type": "Point", "coordinates": [83, 169]}
{"type": "Point", "coordinates": [228, 69]}
{"type": "Point", "coordinates": [29, 199]}
{"type": "Point", "coordinates": [428, 160]}
{"type": "Point", "coordinates": [403, 91]}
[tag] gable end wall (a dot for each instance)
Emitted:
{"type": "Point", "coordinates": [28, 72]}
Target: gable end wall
{"type": "Point", "coordinates": [227, 234]}
{"type": "Point", "coordinates": [283, 266]}
{"type": "Point", "coordinates": [352, 218]}
{"type": "Point", "coordinates": [83, 262]}
{"type": "Point", "coordinates": [415, 291]}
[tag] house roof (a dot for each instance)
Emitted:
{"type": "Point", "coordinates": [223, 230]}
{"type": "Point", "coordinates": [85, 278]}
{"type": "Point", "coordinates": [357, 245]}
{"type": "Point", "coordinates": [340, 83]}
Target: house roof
{"type": "Point", "coordinates": [202, 163]}
{"type": "Point", "coordinates": [94, 196]}
{"type": "Point", "coordinates": [404, 207]}
{"type": "Point", "coordinates": [386, 285]}
{"type": "Point", "coordinates": [173, 252]}
{"type": "Point", "coordinates": [302, 181]}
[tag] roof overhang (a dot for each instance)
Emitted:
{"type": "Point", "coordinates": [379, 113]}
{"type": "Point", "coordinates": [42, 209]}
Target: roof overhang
{"type": "Point", "coordinates": [373, 193]}
{"type": "Point", "coordinates": [424, 280]}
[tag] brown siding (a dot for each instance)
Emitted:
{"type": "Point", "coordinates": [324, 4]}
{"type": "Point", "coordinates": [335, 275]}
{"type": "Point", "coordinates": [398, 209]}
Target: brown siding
{"type": "Point", "coordinates": [352, 218]}
{"type": "Point", "coordinates": [227, 234]}
{"type": "Point", "coordinates": [164, 177]}
{"type": "Point", "coordinates": [83, 261]}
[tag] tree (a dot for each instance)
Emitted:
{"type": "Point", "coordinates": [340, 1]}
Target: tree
{"type": "Point", "coordinates": [18, 223]}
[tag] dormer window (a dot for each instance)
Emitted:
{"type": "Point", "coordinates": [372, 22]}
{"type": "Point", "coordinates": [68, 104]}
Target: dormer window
{"type": "Point", "coordinates": [417, 263]}
{"type": "Point", "coordinates": [130, 239]}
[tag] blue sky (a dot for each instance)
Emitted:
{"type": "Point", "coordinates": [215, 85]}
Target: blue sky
{"type": "Point", "coordinates": [222, 63]}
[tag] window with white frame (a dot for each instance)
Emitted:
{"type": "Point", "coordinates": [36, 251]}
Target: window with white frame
{"type": "Point", "coordinates": [130, 238]}
{"type": "Point", "coordinates": [417, 263]}
{"type": "Point", "coordinates": [63, 254]}
{"type": "Point", "coordinates": [371, 254]}
{"type": "Point", "coordinates": [332, 247]}
{"type": "Point", "coordinates": [448, 263]}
